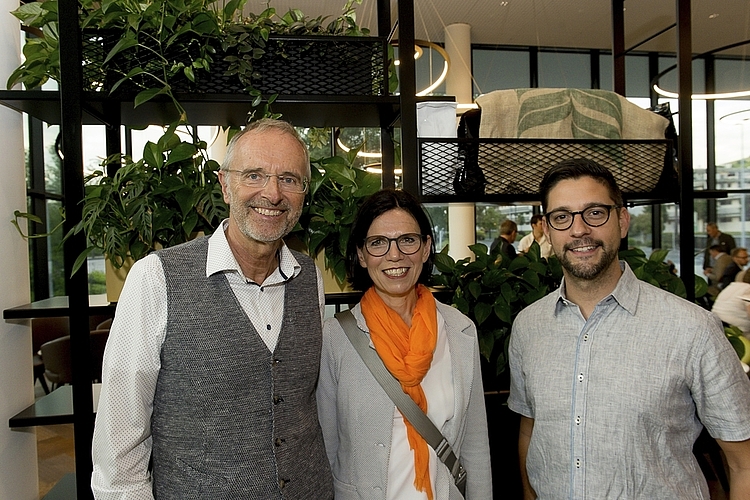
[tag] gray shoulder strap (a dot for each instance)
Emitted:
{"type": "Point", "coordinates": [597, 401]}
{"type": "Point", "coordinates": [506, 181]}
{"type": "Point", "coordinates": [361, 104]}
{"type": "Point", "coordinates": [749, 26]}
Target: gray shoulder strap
{"type": "Point", "coordinates": [405, 404]}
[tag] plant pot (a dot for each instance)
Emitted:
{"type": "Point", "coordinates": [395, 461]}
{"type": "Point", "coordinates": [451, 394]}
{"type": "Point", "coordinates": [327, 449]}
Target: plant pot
{"type": "Point", "coordinates": [330, 283]}
{"type": "Point", "coordinates": [298, 65]}
{"type": "Point", "coordinates": [115, 278]}
{"type": "Point", "coordinates": [502, 429]}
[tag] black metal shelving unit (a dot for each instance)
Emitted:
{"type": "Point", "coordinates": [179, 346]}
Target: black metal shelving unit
{"type": "Point", "coordinates": [71, 108]}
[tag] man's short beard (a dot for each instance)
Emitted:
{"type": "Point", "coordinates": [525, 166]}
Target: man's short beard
{"type": "Point", "coordinates": [588, 271]}
{"type": "Point", "coordinates": [258, 232]}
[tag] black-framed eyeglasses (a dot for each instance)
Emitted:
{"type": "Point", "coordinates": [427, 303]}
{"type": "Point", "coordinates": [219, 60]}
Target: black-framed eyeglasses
{"type": "Point", "coordinates": [407, 244]}
{"type": "Point", "coordinates": [259, 179]}
{"type": "Point", "coordinates": [594, 216]}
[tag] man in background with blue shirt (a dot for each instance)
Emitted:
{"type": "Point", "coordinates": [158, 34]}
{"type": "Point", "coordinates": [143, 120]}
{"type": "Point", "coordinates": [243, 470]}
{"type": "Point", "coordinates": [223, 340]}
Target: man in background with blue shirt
{"type": "Point", "coordinates": [614, 378]}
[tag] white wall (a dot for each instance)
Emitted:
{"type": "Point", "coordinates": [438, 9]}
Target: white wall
{"type": "Point", "coordinates": [18, 462]}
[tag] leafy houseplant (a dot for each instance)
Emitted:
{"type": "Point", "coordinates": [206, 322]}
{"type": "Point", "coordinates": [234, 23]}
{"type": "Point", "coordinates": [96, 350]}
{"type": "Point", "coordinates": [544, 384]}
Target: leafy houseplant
{"type": "Point", "coordinates": [739, 342]}
{"type": "Point", "coordinates": [336, 191]}
{"type": "Point", "coordinates": [659, 273]}
{"type": "Point", "coordinates": [162, 47]}
{"type": "Point", "coordinates": [173, 191]}
{"type": "Point", "coordinates": [492, 290]}
{"type": "Point", "coordinates": [158, 201]}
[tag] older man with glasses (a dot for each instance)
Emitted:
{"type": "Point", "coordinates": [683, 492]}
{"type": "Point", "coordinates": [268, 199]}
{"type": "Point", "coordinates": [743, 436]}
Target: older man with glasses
{"type": "Point", "coordinates": [212, 361]}
{"type": "Point", "coordinates": [614, 378]}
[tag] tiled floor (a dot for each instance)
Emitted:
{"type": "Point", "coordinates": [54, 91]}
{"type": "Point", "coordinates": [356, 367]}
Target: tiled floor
{"type": "Point", "coordinates": [55, 456]}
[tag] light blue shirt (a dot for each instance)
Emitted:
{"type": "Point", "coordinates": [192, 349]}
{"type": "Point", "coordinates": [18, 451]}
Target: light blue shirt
{"type": "Point", "coordinates": [618, 399]}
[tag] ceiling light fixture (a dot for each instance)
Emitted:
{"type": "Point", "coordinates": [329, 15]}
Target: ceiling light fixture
{"type": "Point", "coordinates": [419, 46]}
{"type": "Point", "coordinates": [361, 154]}
{"type": "Point", "coordinates": [698, 97]}
{"type": "Point", "coordinates": [715, 95]}
{"type": "Point", "coordinates": [377, 168]}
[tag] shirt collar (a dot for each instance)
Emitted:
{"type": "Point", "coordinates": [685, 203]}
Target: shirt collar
{"type": "Point", "coordinates": [625, 293]}
{"type": "Point", "coordinates": [221, 259]}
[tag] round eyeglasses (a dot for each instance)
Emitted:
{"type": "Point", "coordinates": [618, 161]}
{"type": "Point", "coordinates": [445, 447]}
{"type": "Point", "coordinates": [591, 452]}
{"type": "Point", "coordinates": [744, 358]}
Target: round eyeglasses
{"type": "Point", "coordinates": [594, 216]}
{"type": "Point", "coordinates": [259, 179]}
{"type": "Point", "coordinates": [407, 244]}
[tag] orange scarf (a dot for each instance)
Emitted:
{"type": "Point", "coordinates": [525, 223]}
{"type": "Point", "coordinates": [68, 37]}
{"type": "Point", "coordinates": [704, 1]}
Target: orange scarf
{"type": "Point", "coordinates": [407, 353]}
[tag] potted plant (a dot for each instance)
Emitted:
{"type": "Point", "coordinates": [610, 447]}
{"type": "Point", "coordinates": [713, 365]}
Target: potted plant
{"type": "Point", "coordinates": [162, 48]}
{"type": "Point", "coordinates": [337, 188]}
{"type": "Point", "coordinates": [158, 201]}
{"type": "Point", "coordinates": [491, 290]}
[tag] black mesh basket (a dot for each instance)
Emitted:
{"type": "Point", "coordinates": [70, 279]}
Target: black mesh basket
{"type": "Point", "coordinates": [304, 65]}
{"type": "Point", "coordinates": [511, 169]}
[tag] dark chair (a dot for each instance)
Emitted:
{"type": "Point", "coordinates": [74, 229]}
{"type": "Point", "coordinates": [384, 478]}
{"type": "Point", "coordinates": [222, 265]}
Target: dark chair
{"type": "Point", "coordinates": [44, 330]}
{"type": "Point", "coordinates": [56, 355]}
{"type": "Point", "coordinates": [104, 325]}
{"type": "Point", "coordinates": [98, 343]}
{"type": "Point", "coordinates": [57, 366]}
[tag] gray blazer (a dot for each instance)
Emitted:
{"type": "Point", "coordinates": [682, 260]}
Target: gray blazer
{"type": "Point", "coordinates": [357, 415]}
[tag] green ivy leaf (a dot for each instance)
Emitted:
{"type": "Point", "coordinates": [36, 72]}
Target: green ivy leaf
{"type": "Point", "coordinates": [474, 288]}
{"type": "Point", "coordinates": [153, 155]}
{"type": "Point", "coordinates": [444, 262]}
{"type": "Point", "coordinates": [128, 41]}
{"type": "Point", "coordinates": [501, 308]}
{"type": "Point", "coordinates": [148, 94]}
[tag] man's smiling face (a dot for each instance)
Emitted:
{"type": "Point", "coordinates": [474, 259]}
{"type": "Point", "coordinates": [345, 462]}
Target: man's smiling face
{"type": "Point", "coordinates": [585, 252]}
{"type": "Point", "coordinates": [265, 214]}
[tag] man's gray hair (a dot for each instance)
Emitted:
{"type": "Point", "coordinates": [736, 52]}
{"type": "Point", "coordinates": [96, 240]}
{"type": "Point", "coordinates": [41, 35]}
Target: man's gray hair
{"type": "Point", "coordinates": [260, 126]}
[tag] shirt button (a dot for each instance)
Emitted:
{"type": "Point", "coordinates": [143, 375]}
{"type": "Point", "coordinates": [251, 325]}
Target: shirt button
{"type": "Point", "coordinates": [380, 445]}
{"type": "Point", "coordinates": [578, 463]}
{"type": "Point", "coordinates": [278, 442]}
{"type": "Point", "coordinates": [277, 400]}
{"type": "Point", "coordinates": [262, 289]}
{"type": "Point", "coordinates": [580, 377]}
{"type": "Point", "coordinates": [578, 420]}
{"type": "Point", "coordinates": [585, 337]}
{"type": "Point", "coordinates": [268, 327]}
{"type": "Point", "coordinates": [283, 482]}
{"type": "Point", "coordinates": [377, 488]}
{"type": "Point", "coordinates": [276, 361]}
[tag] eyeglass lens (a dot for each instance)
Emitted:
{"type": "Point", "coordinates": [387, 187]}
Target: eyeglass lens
{"type": "Point", "coordinates": [407, 244]}
{"type": "Point", "coordinates": [287, 182]}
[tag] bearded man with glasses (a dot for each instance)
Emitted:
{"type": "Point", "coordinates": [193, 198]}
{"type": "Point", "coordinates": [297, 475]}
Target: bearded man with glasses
{"type": "Point", "coordinates": [614, 379]}
{"type": "Point", "coordinates": [212, 361]}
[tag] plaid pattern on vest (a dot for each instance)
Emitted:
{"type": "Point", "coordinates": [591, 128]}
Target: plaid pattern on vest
{"type": "Point", "coordinates": [231, 419]}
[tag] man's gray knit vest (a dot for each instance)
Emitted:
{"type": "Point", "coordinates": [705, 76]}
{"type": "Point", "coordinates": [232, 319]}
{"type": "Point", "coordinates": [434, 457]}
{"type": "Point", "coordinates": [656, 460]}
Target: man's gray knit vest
{"type": "Point", "coordinates": [232, 420]}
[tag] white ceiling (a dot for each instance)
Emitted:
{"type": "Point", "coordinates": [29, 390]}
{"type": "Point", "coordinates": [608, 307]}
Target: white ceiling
{"type": "Point", "coordinates": [555, 23]}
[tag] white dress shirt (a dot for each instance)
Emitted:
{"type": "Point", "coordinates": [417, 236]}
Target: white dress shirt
{"type": "Point", "coordinates": [545, 248]}
{"type": "Point", "coordinates": [439, 391]}
{"type": "Point", "coordinates": [121, 447]}
{"type": "Point", "coordinates": [731, 306]}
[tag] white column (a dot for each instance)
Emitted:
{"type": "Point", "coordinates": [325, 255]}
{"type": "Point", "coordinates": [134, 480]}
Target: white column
{"type": "Point", "coordinates": [18, 462]}
{"type": "Point", "coordinates": [458, 83]}
{"type": "Point", "coordinates": [217, 150]}
{"type": "Point", "coordinates": [458, 47]}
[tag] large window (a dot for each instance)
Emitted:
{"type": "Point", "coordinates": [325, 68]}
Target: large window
{"type": "Point", "coordinates": [496, 69]}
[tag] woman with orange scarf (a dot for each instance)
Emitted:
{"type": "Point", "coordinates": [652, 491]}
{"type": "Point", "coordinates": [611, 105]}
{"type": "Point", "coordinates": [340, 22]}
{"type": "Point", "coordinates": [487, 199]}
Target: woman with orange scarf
{"type": "Point", "coordinates": [429, 347]}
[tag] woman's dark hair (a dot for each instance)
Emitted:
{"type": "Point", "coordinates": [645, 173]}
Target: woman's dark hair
{"type": "Point", "coordinates": [376, 205]}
